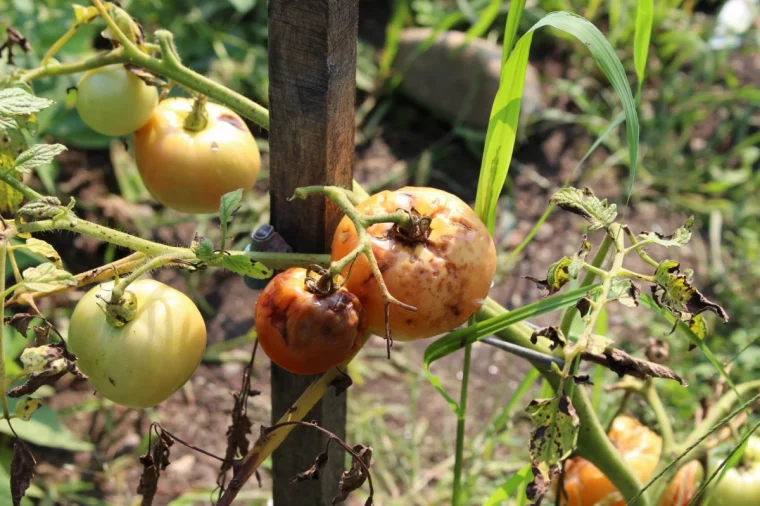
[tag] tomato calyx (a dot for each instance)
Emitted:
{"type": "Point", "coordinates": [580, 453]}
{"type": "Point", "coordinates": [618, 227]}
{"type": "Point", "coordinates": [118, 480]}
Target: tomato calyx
{"type": "Point", "coordinates": [321, 285]}
{"type": "Point", "coordinates": [197, 120]}
{"type": "Point", "coordinates": [121, 311]}
{"type": "Point", "coordinates": [416, 230]}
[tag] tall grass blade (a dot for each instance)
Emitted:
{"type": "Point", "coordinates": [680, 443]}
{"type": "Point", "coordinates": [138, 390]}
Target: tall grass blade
{"type": "Point", "coordinates": [642, 35]}
{"type": "Point", "coordinates": [502, 127]}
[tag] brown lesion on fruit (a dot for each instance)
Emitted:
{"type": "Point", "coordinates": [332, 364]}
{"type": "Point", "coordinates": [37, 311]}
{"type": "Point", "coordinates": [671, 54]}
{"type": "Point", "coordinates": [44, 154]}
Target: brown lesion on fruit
{"type": "Point", "coordinates": [278, 317]}
{"type": "Point", "coordinates": [232, 120]}
{"type": "Point", "coordinates": [111, 380]}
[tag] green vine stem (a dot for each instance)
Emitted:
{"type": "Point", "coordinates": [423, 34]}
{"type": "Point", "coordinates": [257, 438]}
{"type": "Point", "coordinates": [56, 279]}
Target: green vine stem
{"type": "Point", "coordinates": [168, 66]}
{"type": "Point", "coordinates": [3, 253]}
{"type": "Point", "coordinates": [154, 263]}
{"type": "Point", "coordinates": [593, 443]}
{"type": "Point", "coordinates": [345, 201]}
{"type": "Point", "coordinates": [457, 492]}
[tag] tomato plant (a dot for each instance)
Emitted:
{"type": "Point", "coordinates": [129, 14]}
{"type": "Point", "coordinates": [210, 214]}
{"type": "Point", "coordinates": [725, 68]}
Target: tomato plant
{"type": "Point", "coordinates": [113, 101]}
{"type": "Point", "coordinates": [141, 363]}
{"type": "Point", "coordinates": [189, 165]}
{"type": "Point", "coordinates": [306, 328]}
{"type": "Point", "coordinates": [442, 264]}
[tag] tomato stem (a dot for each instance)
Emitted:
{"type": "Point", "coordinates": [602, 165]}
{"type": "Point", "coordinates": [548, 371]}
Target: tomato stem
{"type": "Point", "coordinates": [198, 117]}
{"type": "Point", "coordinates": [3, 253]}
{"type": "Point", "coordinates": [154, 263]}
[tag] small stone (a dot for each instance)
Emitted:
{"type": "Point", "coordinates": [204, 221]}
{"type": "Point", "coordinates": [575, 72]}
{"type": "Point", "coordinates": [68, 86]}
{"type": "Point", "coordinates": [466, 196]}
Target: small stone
{"type": "Point", "coordinates": [458, 84]}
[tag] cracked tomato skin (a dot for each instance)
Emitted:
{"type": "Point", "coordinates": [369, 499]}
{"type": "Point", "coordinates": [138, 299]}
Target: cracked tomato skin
{"type": "Point", "coordinates": [190, 171]}
{"type": "Point", "coordinates": [446, 277]}
{"type": "Point", "coordinates": [586, 485]}
{"type": "Point", "coordinates": [305, 333]}
{"type": "Point", "coordinates": [113, 101]}
{"type": "Point", "coordinates": [142, 363]}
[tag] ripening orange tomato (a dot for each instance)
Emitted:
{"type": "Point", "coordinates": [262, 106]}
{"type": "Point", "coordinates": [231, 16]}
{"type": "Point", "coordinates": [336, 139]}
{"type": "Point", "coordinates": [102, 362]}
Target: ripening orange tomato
{"type": "Point", "coordinates": [586, 485]}
{"type": "Point", "coordinates": [446, 273]}
{"type": "Point", "coordinates": [305, 332]}
{"type": "Point", "coordinates": [189, 170]}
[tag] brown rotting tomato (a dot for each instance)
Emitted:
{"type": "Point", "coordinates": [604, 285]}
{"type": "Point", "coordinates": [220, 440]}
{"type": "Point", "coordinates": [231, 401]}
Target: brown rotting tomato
{"type": "Point", "coordinates": [307, 325]}
{"type": "Point", "coordinates": [443, 265]}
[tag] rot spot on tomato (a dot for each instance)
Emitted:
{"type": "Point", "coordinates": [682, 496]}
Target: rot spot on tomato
{"type": "Point", "coordinates": [307, 333]}
{"type": "Point", "coordinates": [445, 275]}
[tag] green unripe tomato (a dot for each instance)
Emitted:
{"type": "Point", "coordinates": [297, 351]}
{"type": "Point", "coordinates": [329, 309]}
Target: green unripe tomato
{"type": "Point", "coordinates": [741, 485]}
{"type": "Point", "coordinates": [143, 362]}
{"type": "Point", "coordinates": [113, 101]}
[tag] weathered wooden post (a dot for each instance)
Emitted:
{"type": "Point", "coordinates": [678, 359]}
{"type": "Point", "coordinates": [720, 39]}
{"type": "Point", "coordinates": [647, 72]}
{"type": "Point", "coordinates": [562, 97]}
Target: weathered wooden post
{"type": "Point", "coordinates": [312, 72]}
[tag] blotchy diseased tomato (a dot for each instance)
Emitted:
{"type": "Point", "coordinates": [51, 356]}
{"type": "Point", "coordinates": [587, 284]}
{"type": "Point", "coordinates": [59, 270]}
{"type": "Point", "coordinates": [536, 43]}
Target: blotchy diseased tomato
{"type": "Point", "coordinates": [190, 170]}
{"type": "Point", "coordinates": [445, 275]}
{"type": "Point", "coordinates": [304, 332]}
{"type": "Point", "coordinates": [585, 485]}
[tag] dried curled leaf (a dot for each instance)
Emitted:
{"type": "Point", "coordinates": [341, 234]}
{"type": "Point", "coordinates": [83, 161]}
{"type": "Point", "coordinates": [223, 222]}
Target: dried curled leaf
{"type": "Point", "coordinates": [23, 464]}
{"type": "Point", "coordinates": [584, 203]}
{"type": "Point", "coordinates": [555, 426]}
{"type": "Point", "coordinates": [14, 39]}
{"type": "Point", "coordinates": [353, 478]}
{"type": "Point", "coordinates": [341, 383]}
{"type": "Point", "coordinates": [46, 364]}
{"type": "Point", "coordinates": [674, 292]}
{"type": "Point", "coordinates": [623, 364]}
{"type": "Point", "coordinates": [155, 461]}
{"type": "Point", "coordinates": [314, 471]}
{"type": "Point", "coordinates": [146, 76]}
{"type": "Point", "coordinates": [553, 334]}
{"type": "Point", "coordinates": [675, 240]}
{"type": "Point", "coordinates": [20, 322]}
{"type": "Point", "coordinates": [44, 208]}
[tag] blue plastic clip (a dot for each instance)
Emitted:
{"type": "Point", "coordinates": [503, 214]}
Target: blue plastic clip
{"type": "Point", "coordinates": [264, 238]}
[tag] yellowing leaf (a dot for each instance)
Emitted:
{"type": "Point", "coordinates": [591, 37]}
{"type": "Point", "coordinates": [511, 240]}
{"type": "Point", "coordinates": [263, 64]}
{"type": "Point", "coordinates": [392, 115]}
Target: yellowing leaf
{"type": "Point", "coordinates": [46, 278]}
{"type": "Point", "coordinates": [26, 408]}
{"type": "Point", "coordinates": [42, 248]}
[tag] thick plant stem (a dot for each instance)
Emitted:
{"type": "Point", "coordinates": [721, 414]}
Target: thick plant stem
{"type": "Point", "coordinates": [3, 253]}
{"type": "Point", "coordinates": [456, 496]}
{"type": "Point", "coordinates": [593, 443]}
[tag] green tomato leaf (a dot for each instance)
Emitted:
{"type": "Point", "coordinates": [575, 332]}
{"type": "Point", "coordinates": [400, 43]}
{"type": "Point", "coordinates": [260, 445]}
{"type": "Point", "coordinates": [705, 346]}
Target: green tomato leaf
{"type": "Point", "coordinates": [46, 278]}
{"type": "Point", "coordinates": [674, 292]}
{"type": "Point", "coordinates": [45, 429]}
{"type": "Point", "coordinates": [576, 263]}
{"type": "Point", "coordinates": [15, 101]}
{"type": "Point", "coordinates": [229, 204]}
{"type": "Point", "coordinates": [12, 144]}
{"type": "Point", "coordinates": [243, 265]}
{"type": "Point", "coordinates": [203, 249]}
{"type": "Point", "coordinates": [26, 408]}
{"type": "Point", "coordinates": [677, 239]}
{"type": "Point", "coordinates": [82, 13]}
{"type": "Point", "coordinates": [46, 250]}
{"type": "Point", "coordinates": [584, 203]}
{"type": "Point", "coordinates": [554, 433]}
{"type": "Point", "coordinates": [625, 292]}
{"type": "Point", "coordinates": [37, 156]}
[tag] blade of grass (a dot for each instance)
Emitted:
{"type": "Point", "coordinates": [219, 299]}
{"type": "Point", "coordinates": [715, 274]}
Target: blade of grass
{"type": "Point", "coordinates": [512, 485]}
{"type": "Point", "coordinates": [393, 36]}
{"type": "Point", "coordinates": [459, 339]}
{"type": "Point", "coordinates": [485, 20]}
{"type": "Point", "coordinates": [502, 127]}
{"type": "Point", "coordinates": [642, 35]}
